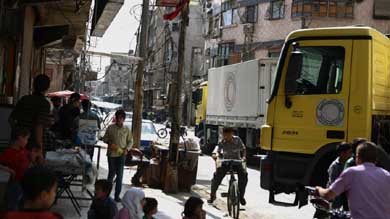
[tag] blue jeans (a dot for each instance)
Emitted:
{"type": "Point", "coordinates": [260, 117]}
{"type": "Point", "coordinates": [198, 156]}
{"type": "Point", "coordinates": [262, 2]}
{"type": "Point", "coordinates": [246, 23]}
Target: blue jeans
{"type": "Point", "coordinates": [115, 167]}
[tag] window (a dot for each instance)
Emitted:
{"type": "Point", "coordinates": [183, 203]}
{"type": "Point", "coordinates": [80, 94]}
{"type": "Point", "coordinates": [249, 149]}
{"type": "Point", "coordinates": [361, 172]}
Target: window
{"type": "Point", "coordinates": [276, 10]}
{"type": "Point", "coordinates": [229, 14]}
{"type": "Point", "coordinates": [224, 52]}
{"type": "Point", "coordinates": [175, 27]}
{"type": "Point", "coordinates": [323, 8]}
{"type": "Point", "coordinates": [226, 5]}
{"type": "Point", "coordinates": [321, 71]}
{"type": "Point", "coordinates": [210, 26]}
{"type": "Point", "coordinates": [273, 54]}
{"type": "Point", "coordinates": [382, 9]}
{"type": "Point", "coordinates": [227, 18]}
{"type": "Point", "coordinates": [251, 14]}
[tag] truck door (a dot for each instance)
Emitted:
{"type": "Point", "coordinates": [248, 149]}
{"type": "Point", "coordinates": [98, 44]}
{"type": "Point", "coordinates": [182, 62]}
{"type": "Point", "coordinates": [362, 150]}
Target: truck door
{"type": "Point", "coordinates": [312, 99]}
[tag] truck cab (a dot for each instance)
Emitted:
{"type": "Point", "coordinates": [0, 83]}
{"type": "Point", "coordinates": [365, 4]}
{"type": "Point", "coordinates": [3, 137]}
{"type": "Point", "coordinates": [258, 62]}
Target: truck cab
{"type": "Point", "coordinates": [332, 85]}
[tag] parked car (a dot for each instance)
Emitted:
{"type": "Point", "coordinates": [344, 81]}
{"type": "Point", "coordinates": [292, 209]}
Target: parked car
{"type": "Point", "coordinates": [148, 136]}
{"type": "Point", "coordinates": [110, 118]}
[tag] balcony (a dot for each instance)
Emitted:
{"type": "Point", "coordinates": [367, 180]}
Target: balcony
{"type": "Point", "coordinates": [323, 8]}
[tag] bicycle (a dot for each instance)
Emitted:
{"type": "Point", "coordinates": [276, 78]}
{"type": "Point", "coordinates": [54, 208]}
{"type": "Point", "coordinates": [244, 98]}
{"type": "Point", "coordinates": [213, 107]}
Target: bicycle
{"type": "Point", "coordinates": [233, 194]}
{"type": "Point", "coordinates": [325, 206]}
{"type": "Point", "coordinates": [163, 132]}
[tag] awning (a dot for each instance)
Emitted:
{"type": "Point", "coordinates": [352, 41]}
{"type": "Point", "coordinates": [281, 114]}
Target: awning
{"type": "Point", "coordinates": [66, 94]}
{"type": "Point", "coordinates": [47, 34]}
{"type": "Point", "coordinates": [106, 105]}
{"type": "Point", "coordinates": [103, 14]}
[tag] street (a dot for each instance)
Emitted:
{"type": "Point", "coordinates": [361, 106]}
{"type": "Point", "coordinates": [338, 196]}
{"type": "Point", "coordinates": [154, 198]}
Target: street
{"type": "Point", "coordinates": [171, 205]}
{"type": "Point", "coordinates": [257, 198]}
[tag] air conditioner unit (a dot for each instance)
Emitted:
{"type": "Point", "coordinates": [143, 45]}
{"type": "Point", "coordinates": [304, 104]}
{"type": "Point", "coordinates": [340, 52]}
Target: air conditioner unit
{"type": "Point", "coordinates": [73, 43]}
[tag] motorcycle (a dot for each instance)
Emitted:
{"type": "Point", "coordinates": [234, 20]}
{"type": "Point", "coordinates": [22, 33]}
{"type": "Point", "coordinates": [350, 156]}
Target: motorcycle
{"type": "Point", "coordinates": [325, 206]}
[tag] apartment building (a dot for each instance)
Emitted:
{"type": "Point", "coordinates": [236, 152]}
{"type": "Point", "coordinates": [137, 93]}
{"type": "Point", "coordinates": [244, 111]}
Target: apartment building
{"type": "Point", "coordinates": [162, 56]}
{"type": "Point", "coordinates": [239, 30]}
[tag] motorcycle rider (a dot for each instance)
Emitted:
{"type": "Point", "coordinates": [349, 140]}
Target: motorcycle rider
{"type": "Point", "coordinates": [367, 186]}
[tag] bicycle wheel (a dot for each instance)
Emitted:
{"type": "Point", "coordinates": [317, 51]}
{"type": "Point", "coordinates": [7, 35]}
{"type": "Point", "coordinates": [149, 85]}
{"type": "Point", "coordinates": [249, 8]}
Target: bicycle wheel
{"type": "Point", "coordinates": [234, 200]}
{"type": "Point", "coordinates": [162, 133]}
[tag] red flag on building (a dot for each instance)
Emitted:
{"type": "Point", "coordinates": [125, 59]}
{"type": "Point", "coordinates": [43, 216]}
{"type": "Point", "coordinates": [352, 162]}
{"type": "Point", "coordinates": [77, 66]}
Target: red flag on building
{"type": "Point", "coordinates": [176, 12]}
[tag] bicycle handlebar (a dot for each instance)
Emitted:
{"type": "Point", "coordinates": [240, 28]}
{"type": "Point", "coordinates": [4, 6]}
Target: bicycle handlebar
{"type": "Point", "coordinates": [311, 190]}
{"type": "Point", "coordinates": [324, 205]}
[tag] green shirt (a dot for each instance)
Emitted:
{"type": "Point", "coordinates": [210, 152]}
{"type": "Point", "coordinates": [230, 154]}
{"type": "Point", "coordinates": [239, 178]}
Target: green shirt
{"type": "Point", "coordinates": [350, 163]}
{"type": "Point", "coordinates": [121, 136]}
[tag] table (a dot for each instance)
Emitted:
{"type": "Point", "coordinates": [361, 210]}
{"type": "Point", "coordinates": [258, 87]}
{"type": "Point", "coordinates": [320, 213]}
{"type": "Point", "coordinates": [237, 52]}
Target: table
{"type": "Point", "coordinates": [99, 147]}
{"type": "Point", "coordinates": [69, 165]}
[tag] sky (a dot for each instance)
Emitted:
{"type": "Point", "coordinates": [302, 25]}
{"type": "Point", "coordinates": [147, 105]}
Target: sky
{"type": "Point", "coordinates": [120, 35]}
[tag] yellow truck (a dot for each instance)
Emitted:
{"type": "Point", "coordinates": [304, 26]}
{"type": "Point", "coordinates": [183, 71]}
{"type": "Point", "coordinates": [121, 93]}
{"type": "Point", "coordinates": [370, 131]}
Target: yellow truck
{"type": "Point", "coordinates": [200, 96]}
{"type": "Point", "coordinates": [332, 85]}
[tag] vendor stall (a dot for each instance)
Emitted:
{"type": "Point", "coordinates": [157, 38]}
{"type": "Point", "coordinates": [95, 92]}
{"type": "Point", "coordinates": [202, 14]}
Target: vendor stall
{"type": "Point", "coordinates": [74, 169]}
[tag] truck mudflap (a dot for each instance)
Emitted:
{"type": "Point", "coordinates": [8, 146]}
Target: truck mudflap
{"type": "Point", "coordinates": [266, 165]}
{"type": "Point", "coordinates": [267, 182]}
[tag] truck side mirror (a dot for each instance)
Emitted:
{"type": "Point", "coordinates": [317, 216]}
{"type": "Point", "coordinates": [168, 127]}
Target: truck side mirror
{"type": "Point", "coordinates": [293, 72]}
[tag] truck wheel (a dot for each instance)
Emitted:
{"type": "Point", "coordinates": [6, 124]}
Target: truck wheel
{"type": "Point", "coordinates": [320, 174]}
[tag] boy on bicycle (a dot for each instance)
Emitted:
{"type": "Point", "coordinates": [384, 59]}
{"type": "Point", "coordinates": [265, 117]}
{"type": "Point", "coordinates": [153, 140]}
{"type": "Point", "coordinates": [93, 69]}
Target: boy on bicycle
{"type": "Point", "coordinates": [233, 149]}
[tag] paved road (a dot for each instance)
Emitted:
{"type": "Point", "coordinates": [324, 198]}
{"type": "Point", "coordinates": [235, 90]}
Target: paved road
{"type": "Point", "coordinates": [257, 198]}
{"type": "Point", "coordinates": [172, 205]}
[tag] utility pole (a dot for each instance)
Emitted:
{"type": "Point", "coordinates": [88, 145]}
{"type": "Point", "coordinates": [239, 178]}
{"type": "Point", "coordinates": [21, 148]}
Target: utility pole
{"type": "Point", "coordinates": [138, 96]}
{"type": "Point", "coordinates": [189, 103]}
{"type": "Point", "coordinates": [171, 185]}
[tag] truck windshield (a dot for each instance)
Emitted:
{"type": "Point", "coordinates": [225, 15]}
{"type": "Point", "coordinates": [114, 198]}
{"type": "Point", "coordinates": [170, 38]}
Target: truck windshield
{"type": "Point", "coordinates": [321, 71]}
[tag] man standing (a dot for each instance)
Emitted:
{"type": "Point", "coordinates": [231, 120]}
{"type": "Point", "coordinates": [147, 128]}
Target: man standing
{"type": "Point", "coordinates": [344, 150]}
{"type": "Point", "coordinates": [120, 141]}
{"type": "Point", "coordinates": [367, 186]}
{"type": "Point", "coordinates": [88, 114]}
{"type": "Point", "coordinates": [69, 116]}
{"type": "Point", "coordinates": [232, 148]}
{"type": "Point", "coordinates": [33, 113]}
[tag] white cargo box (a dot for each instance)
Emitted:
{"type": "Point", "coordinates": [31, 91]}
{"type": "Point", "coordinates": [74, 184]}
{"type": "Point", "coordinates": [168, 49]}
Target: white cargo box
{"type": "Point", "coordinates": [237, 94]}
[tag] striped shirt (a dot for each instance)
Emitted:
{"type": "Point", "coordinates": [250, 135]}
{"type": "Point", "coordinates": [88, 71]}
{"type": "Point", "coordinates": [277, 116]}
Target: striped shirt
{"type": "Point", "coordinates": [29, 111]}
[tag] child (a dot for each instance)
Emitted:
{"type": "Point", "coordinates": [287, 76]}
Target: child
{"type": "Point", "coordinates": [39, 186]}
{"type": "Point", "coordinates": [133, 202]}
{"type": "Point", "coordinates": [103, 206]}
{"type": "Point", "coordinates": [150, 208]}
{"type": "Point", "coordinates": [193, 209]}
{"type": "Point", "coordinates": [15, 160]}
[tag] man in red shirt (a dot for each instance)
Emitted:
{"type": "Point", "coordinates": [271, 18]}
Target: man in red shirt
{"type": "Point", "coordinates": [16, 161]}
